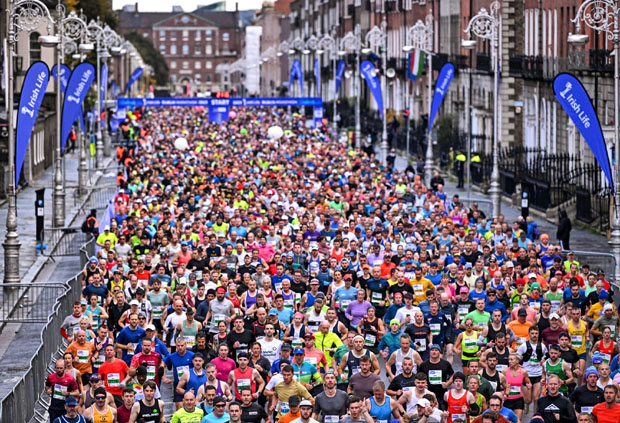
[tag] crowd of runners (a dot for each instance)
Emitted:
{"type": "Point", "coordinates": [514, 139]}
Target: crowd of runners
{"type": "Point", "coordinates": [298, 280]}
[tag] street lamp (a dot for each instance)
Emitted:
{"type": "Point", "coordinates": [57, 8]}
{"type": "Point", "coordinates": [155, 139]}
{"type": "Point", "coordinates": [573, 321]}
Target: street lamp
{"type": "Point", "coordinates": [378, 37]}
{"type": "Point", "coordinates": [24, 16]}
{"type": "Point", "coordinates": [486, 25]}
{"type": "Point", "coordinates": [353, 41]}
{"type": "Point", "coordinates": [329, 43]}
{"type": "Point", "coordinates": [602, 16]}
{"type": "Point", "coordinates": [420, 37]}
{"type": "Point", "coordinates": [297, 45]}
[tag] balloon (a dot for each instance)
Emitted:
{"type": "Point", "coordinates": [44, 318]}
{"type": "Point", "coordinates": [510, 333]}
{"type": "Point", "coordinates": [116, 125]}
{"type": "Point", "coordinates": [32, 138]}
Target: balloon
{"type": "Point", "coordinates": [181, 144]}
{"type": "Point", "coordinates": [275, 132]}
{"type": "Point", "coordinates": [232, 115]}
{"type": "Point", "coordinates": [244, 131]}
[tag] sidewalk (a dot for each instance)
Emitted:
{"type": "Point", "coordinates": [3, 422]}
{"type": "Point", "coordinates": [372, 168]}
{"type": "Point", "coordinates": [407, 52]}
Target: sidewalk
{"type": "Point", "coordinates": [26, 220]}
{"type": "Point", "coordinates": [581, 239]}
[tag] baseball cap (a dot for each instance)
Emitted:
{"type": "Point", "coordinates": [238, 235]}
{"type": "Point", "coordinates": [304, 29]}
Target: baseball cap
{"type": "Point", "coordinates": [71, 401]}
{"type": "Point", "coordinates": [500, 286]}
{"type": "Point", "coordinates": [305, 403]}
{"type": "Point", "coordinates": [408, 295]}
{"type": "Point", "coordinates": [394, 322]}
{"type": "Point", "coordinates": [468, 266]}
{"type": "Point", "coordinates": [531, 275]}
{"type": "Point", "coordinates": [134, 302]}
{"type": "Point", "coordinates": [273, 312]}
{"type": "Point", "coordinates": [294, 400]}
{"type": "Point", "coordinates": [219, 399]}
{"type": "Point", "coordinates": [150, 327]}
{"type": "Point", "coordinates": [510, 264]}
{"type": "Point", "coordinates": [299, 351]}
{"type": "Point", "coordinates": [94, 378]}
{"type": "Point", "coordinates": [433, 264]}
{"type": "Point", "coordinates": [314, 281]}
{"type": "Point", "coordinates": [424, 403]}
{"type": "Point", "coordinates": [608, 306]}
{"type": "Point", "coordinates": [435, 347]}
{"type": "Point", "coordinates": [93, 260]}
{"type": "Point", "coordinates": [309, 336]}
{"type": "Point", "coordinates": [286, 347]}
{"type": "Point", "coordinates": [554, 316]}
{"type": "Point", "coordinates": [463, 289]}
{"type": "Point", "coordinates": [84, 302]}
{"type": "Point", "coordinates": [241, 354]}
{"type": "Point", "coordinates": [522, 312]}
{"type": "Point", "coordinates": [106, 228]}
{"type": "Point", "coordinates": [348, 276]}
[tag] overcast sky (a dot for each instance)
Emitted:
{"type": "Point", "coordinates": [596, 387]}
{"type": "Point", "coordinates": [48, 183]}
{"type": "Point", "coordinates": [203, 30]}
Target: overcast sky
{"type": "Point", "coordinates": [187, 5]}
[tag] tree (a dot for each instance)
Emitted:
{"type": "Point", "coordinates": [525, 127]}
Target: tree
{"type": "Point", "coordinates": [150, 55]}
{"type": "Point", "coordinates": [94, 9]}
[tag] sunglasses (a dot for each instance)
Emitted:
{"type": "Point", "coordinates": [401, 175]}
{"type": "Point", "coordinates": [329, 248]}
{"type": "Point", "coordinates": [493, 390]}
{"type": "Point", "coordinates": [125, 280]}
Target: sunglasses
{"type": "Point", "coordinates": [219, 405]}
{"type": "Point", "coordinates": [99, 398]}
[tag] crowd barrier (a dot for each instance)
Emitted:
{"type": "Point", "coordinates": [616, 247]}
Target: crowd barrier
{"type": "Point", "coordinates": [27, 399]}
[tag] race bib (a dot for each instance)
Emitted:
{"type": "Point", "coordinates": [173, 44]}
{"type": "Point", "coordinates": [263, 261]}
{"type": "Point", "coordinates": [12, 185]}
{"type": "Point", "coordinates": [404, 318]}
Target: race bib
{"type": "Point", "coordinates": [99, 360]}
{"type": "Point", "coordinates": [190, 341]}
{"type": "Point", "coordinates": [422, 343]}
{"type": "Point", "coordinates": [501, 367]}
{"type": "Point", "coordinates": [284, 407]}
{"type": "Point", "coordinates": [418, 288]}
{"type": "Point", "coordinates": [289, 303]}
{"type": "Point", "coordinates": [370, 340]}
{"type": "Point", "coordinates": [344, 304]}
{"type": "Point", "coordinates": [587, 409]}
{"type": "Point", "coordinates": [332, 419]}
{"type": "Point", "coordinates": [83, 356]}
{"type": "Point", "coordinates": [114, 380]}
{"type": "Point", "coordinates": [311, 360]}
{"type": "Point", "coordinates": [458, 416]}
{"type": "Point", "coordinates": [514, 391]}
{"type": "Point", "coordinates": [435, 328]}
{"type": "Point", "coordinates": [181, 370]}
{"type": "Point", "coordinates": [555, 305]}
{"type": "Point", "coordinates": [376, 297]}
{"type": "Point", "coordinates": [434, 377]}
{"type": "Point", "coordinates": [217, 318]}
{"type": "Point", "coordinates": [576, 341]}
{"type": "Point", "coordinates": [58, 392]}
{"type": "Point", "coordinates": [150, 372]}
{"type": "Point", "coordinates": [243, 384]}
{"type": "Point", "coordinates": [157, 312]}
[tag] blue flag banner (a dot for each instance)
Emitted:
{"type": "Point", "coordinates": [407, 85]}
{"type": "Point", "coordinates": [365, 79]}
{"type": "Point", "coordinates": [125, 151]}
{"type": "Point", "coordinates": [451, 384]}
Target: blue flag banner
{"type": "Point", "coordinates": [33, 91]}
{"type": "Point", "coordinates": [218, 114]}
{"type": "Point", "coordinates": [441, 88]}
{"type": "Point", "coordinates": [114, 89]}
{"type": "Point", "coordinates": [575, 100]}
{"type": "Point", "coordinates": [317, 76]}
{"type": "Point", "coordinates": [374, 83]}
{"type": "Point", "coordinates": [206, 102]}
{"type": "Point", "coordinates": [79, 83]}
{"type": "Point", "coordinates": [342, 65]}
{"type": "Point", "coordinates": [65, 73]}
{"type": "Point", "coordinates": [133, 78]}
{"type": "Point", "coordinates": [104, 83]}
{"type": "Point", "coordinates": [296, 73]}
{"type": "Point", "coordinates": [317, 115]}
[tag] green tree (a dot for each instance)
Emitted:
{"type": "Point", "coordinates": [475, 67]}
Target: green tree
{"type": "Point", "coordinates": [150, 55]}
{"type": "Point", "coordinates": [94, 9]}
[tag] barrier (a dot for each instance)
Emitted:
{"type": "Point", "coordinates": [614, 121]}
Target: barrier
{"type": "Point", "coordinates": [31, 303]}
{"type": "Point", "coordinates": [596, 260]}
{"type": "Point", "coordinates": [64, 241]}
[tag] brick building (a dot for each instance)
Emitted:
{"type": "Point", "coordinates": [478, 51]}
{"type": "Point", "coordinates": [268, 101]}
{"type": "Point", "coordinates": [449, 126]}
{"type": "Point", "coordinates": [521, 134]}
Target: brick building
{"type": "Point", "coordinates": [193, 44]}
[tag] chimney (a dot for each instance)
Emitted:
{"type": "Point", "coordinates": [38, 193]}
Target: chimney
{"type": "Point", "coordinates": [135, 10]}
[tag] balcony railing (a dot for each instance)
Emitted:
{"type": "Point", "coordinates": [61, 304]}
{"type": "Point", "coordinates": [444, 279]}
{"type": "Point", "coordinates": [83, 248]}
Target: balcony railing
{"type": "Point", "coordinates": [483, 62]}
{"type": "Point", "coordinates": [532, 67]}
{"type": "Point", "coordinates": [515, 66]}
{"type": "Point", "coordinates": [591, 60]}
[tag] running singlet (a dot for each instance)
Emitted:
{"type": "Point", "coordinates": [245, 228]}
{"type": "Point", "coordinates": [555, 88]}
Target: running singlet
{"type": "Point", "coordinates": [455, 407]}
{"type": "Point", "coordinates": [577, 337]}
{"type": "Point", "coordinates": [106, 417]}
{"type": "Point", "coordinates": [149, 413]}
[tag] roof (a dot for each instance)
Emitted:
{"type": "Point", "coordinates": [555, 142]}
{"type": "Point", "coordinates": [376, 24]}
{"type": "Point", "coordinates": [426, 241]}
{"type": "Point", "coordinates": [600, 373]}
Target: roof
{"type": "Point", "coordinates": [132, 20]}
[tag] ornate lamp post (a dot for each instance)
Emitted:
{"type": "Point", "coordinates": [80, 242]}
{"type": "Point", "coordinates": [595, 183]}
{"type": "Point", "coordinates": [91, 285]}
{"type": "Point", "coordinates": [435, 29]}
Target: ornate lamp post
{"type": "Point", "coordinates": [329, 43]}
{"type": "Point", "coordinates": [602, 16]}
{"type": "Point", "coordinates": [420, 37]}
{"type": "Point", "coordinates": [22, 16]}
{"type": "Point", "coordinates": [486, 25]}
{"type": "Point", "coordinates": [378, 37]}
{"type": "Point", "coordinates": [352, 41]}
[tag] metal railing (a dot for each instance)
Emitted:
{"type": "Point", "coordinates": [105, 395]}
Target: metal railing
{"type": "Point", "coordinates": [29, 303]}
{"type": "Point", "coordinates": [64, 241]}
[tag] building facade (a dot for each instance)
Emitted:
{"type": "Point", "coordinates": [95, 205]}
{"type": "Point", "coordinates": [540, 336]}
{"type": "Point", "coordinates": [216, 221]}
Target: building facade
{"type": "Point", "coordinates": [193, 44]}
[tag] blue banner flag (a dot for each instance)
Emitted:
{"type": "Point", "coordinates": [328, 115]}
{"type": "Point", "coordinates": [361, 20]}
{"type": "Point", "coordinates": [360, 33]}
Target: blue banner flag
{"type": "Point", "coordinates": [114, 88]}
{"type": "Point", "coordinates": [233, 101]}
{"type": "Point", "coordinates": [133, 78]}
{"type": "Point", "coordinates": [441, 88]}
{"type": "Point", "coordinates": [33, 91]}
{"type": "Point", "coordinates": [79, 83]}
{"type": "Point", "coordinates": [218, 114]}
{"type": "Point", "coordinates": [342, 65]}
{"type": "Point", "coordinates": [296, 73]}
{"type": "Point", "coordinates": [317, 76]}
{"type": "Point", "coordinates": [104, 83]}
{"type": "Point", "coordinates": [573, 97]}
{"type": "Point", "coordinates": [374, 83]}
{"type": "Point", "coordinates": [65, 73]}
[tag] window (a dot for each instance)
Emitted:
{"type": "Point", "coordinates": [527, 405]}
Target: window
{"type": "Point", "coordinates": [173, 64]}
{"type": "Point", "coordinates": [208, 34]}
{"type": "Point", "coordinates": [225, 36]}
{"type": "Point", "coordinates": [197, 78]}
{"type": "Point", "coordinates": [197, 50]}
{"type": "Point", "coordinates": [35, 47]}
{"type": "Point", "coordinates": [162, 34]}
{"type": "Point", "coordinates": [145, 34]}
{"type": "Point", "coordinates": [173, 78]}
{"type": "Point", "coordinates": [185, 35]}
{"type": "Point", "coordinates": [197, 64]}
{"type": "Point", "coordinates": [185, 64]}
{"type": "Point", "coordinates": [197, 36]}
{"type": "Point", "coordinates": [208, 77]}
{"type": "Point", "coordinates": [162, 48]}
{"type": "Point", "coordinates": [209, 64]}
{"type": "Point", "coordinates": [173, 49]}
{"type": "Point", "coordinates": [185, 49]}
{"type": "Point", "coordinates": [209, 50]}
{"type": "Point", "coordinates": [173, 35]}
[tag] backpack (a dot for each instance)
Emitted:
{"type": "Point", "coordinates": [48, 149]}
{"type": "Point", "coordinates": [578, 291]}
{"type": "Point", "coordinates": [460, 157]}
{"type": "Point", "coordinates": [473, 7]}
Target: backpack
{"type": "Point", "coordinates": [536, 234]}
{"type": "Point", "coordinates": [528, 352]}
